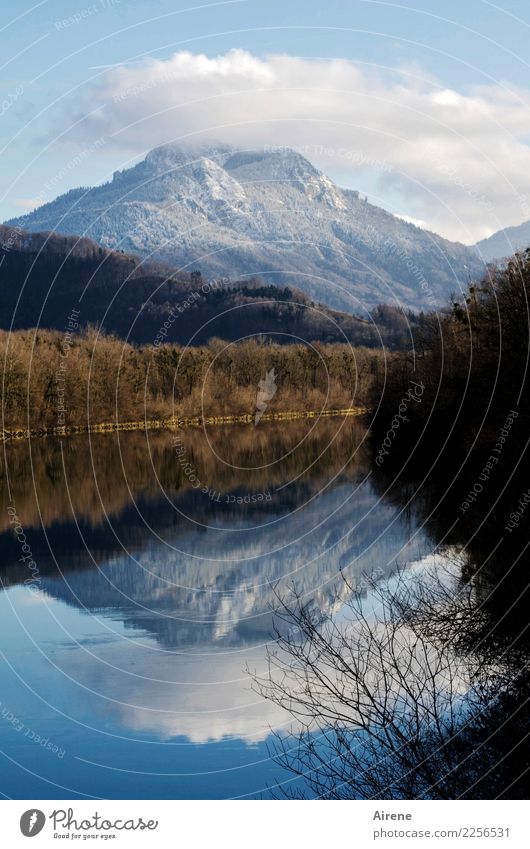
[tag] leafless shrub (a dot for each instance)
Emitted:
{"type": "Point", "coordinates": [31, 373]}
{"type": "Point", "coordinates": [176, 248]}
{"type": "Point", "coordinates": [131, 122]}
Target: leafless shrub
{"type": "Point", "coordinates": [384, 705]}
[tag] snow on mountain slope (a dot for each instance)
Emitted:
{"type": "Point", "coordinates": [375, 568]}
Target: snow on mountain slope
{"type": "Point", "coordinates": [505, 242]}
{"type": "Point", "coordinates": [263, 212]}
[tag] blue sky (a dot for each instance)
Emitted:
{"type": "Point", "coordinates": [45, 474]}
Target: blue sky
{"type": "Point", "coordinates": [424, 107]}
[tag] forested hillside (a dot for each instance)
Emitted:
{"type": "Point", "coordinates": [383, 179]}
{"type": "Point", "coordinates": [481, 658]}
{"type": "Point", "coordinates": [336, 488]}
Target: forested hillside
{"type": "Point", "coordinates": [43, 276]}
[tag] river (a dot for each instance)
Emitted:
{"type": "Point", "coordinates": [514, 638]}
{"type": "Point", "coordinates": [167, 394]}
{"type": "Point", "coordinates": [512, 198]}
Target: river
{"type": "Point", "coordinates": [140, 573]}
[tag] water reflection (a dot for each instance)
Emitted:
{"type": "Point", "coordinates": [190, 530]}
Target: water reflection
{"type": "Point", "coordinates": [152, 595]}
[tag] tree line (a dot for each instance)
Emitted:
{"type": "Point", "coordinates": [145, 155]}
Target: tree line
{"type": "Point", "coordinates": [80, 377]}
{"type": "Point", "coordinates": [44, 275]}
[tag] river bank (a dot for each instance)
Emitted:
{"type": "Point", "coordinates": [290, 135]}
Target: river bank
{"type": "Point", "coordinates": [176, 423]}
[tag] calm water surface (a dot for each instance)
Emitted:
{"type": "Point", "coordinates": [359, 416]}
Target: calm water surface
{"type": "Point", "coordinates": [153, 566]}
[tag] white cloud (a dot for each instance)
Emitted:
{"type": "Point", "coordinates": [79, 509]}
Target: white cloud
{"type": "Point", "coordinates": [27, 204]}
{"type": "Point", "coordinates": [458, 161]}
{"type": "Point", "coordinates": [416, 221]}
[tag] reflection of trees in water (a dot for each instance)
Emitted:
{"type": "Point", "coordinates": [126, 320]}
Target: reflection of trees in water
{"type": "Point", "coordinates": [495, 564]}
{"type": "Point", "coordinates": [398, 705]}
{"type": "Point", "coordinates": [189, 569]}
{"type": "Point", "coordinates": [462, 731]}
{"type": "Point", "coordinates": [55, 479]}
{"type": "Point", "coordinates": [112, 494]}
{"type": "Point", "coordinates": [469, 435]}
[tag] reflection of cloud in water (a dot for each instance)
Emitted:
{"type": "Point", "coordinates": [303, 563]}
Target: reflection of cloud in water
{"type": "Point", "coordinates": [212, 700]}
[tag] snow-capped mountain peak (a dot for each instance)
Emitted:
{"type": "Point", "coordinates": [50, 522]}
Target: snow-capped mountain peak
{"type": "Point", "coordinates": [262, 212]}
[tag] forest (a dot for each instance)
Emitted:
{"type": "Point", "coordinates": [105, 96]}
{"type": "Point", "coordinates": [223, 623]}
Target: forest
{"type": "Point", "coordinates": [472, 360]}
{"type": "Point", "coordinates": [79, 377]}
{"type": "Point", "coordinates": [43, 276]}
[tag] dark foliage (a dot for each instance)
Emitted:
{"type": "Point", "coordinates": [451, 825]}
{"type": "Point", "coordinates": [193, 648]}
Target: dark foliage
{"type": "Point", "coordinates": [43, 276]}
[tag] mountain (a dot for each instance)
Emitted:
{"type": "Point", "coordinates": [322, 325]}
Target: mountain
{"type": "Point", "coordinates": [43, 276]}
{"type": "Point", "coordinates": [505, 242]}
{"type": "Point", "coordinates": [265, 213]}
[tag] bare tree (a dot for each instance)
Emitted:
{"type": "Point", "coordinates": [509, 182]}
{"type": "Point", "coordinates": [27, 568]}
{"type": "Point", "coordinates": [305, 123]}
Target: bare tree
{"type": "Point", "coordinates": [383, 707]}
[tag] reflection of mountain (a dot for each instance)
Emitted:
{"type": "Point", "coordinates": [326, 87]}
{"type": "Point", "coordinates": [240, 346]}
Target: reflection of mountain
{"type": "Point", "coordinates": [153, 634]}
{"type": "Point", "coordinates": [219, 585]}
{"type": "Point", "coordinates": [169, 636]}
{"type": "Point", "coordinates": [192, 569]}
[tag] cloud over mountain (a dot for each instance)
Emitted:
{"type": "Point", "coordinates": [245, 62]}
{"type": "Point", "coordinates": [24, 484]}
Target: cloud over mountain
{"type": "Point", "coordinates": [457, 160]}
